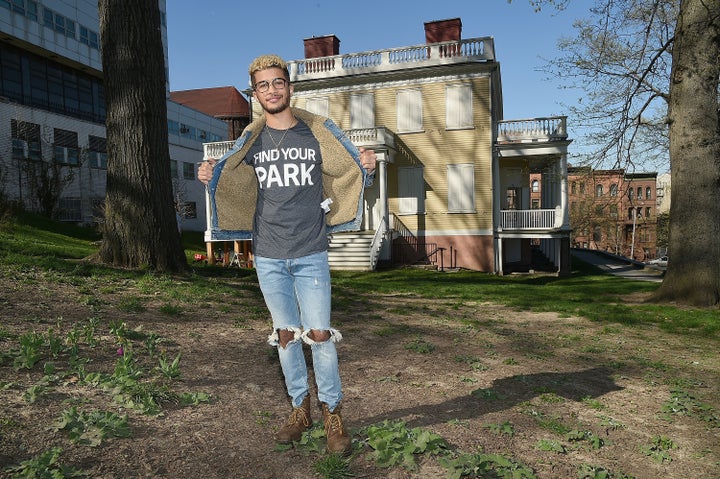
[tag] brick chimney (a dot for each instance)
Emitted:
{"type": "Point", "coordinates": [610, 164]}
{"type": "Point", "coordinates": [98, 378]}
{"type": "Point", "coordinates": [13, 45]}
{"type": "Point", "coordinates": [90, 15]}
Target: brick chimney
{"type": "Point", "coordinates": [322, 46]}
{"type": "Point", "coordinates": [443, 30]}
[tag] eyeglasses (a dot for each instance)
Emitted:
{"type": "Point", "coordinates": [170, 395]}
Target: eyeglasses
{"type": "Point", "coordinates": [263, 86]}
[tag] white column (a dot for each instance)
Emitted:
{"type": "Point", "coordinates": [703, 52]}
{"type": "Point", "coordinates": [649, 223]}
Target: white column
{"type": "Point", "coordinates": [564, 190]}
{"type": "Point", "coordinates": [381, 175]}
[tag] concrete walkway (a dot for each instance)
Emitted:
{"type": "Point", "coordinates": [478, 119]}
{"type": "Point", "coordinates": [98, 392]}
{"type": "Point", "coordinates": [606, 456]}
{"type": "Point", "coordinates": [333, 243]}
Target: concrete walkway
{"type": "Point", "coordinates": [620, 266]}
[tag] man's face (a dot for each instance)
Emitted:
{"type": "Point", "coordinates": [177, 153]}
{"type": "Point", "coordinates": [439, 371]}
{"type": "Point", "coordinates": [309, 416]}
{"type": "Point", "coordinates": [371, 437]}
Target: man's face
{"type": "Point", "coordinates": [277, 96]}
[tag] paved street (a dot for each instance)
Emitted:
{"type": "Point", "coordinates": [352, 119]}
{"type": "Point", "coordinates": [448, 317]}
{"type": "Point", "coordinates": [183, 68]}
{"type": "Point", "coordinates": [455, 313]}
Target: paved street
{"type": "Point", "coordinates": [620, 266]}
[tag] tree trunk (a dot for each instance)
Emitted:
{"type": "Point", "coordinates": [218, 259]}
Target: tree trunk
{"type": "Point", "coordinates": [140, 227]}
{"type": "Point", "coordinates": [693, 274]}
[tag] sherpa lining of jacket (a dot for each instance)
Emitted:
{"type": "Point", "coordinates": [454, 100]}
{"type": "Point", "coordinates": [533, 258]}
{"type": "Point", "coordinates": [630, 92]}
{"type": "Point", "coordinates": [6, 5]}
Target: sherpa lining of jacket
{"type": "Point", "coordinates": [236, 192]}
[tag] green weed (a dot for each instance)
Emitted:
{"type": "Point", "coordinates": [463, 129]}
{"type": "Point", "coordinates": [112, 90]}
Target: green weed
{"type": "Point", "coordinates": [659, 449]}
{"type": "Point", "coordinates": [91, 428]}
{"type": "Point", "coordinates": [30, 351]}
{"type": "Point", "coordinates": [333, 466]}
{"type": "Point", "coordinates": [550, 445]}
{"type": "Point", "coordinates": [486, 394]}
{"type": "Point", "coordinates": [485, 465]}
{"type": "Point", "coordinates": [44, 466]}
{"type": "Point", "coordinates": [593, 403]}
{"type": "Point", "coordinates": [475, 363]}
{"type": "Point", "coordinates": [393, 444]}
{"type": "Point", "coordinates": [170, 369]}
{"type": "Point", "coordinates": [587, 471]}
{"type": "Point", "coordinates": [170, 309]}
{"type": "Point", "coordinates": [419, 345]}
{"type": "Point", "coordinates": [131, 305]}
{"type": "Point", "coordinates": [594, 441]}
{"type": "Point", "coordinates": [683, 403]}
{"type": "Point", "coordinates": [505, 428]}
{"type": "Point", "coordinates": [552, 423]}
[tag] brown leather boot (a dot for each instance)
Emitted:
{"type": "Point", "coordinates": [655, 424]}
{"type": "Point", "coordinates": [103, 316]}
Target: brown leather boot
{"type": "Point", "coordinates": [298, 422]}
{"type": "Point", "coordinates": [338, 440]}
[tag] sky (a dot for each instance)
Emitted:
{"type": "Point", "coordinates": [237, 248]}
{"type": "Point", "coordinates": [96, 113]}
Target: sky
{"type": "Point", "coordinates": [212, 42]}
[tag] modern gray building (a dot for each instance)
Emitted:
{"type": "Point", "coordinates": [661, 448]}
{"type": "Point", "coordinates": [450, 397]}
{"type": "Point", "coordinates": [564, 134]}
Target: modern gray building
{"type": "Point", "coordinates": [52, 114]}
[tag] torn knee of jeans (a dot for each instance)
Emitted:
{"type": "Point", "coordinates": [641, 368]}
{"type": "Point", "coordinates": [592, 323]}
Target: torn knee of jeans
{"type": "Point", "coordinates": [310, 337]}
{"type": "Point", "coordinates": [284, 336]}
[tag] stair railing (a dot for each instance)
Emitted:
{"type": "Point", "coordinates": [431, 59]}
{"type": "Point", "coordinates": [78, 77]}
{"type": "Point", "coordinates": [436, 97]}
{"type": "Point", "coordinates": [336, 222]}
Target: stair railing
{"type": "Point", "coordinates": [377, 243]}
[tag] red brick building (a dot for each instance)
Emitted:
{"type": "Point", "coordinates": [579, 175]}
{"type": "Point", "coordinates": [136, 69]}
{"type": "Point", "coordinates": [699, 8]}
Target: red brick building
{"type": "Point", "coordinates": [224, 103]}
{"type": "Point", "coordinates": [614, 211]}
{"type": "Point", "coordinates": [610, 210]}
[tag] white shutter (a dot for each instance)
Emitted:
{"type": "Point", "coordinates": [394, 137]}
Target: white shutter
{"type": "Point", "coordinates": [409, 110]}
{"type": "Point", "coordinates": [411, 190]}
{"type": "Point", "coordinates": [319, 106]}
{"type": "Point", "coordinates": [461, 188]}
{"type": "Point", "coordinates": [458, 106]}
{"type": "Point", "coordinates": [362, 111]}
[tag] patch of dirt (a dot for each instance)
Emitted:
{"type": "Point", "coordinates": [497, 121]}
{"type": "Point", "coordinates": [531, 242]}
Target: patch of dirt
{"type": "Point", "coordinates": [489, 365]}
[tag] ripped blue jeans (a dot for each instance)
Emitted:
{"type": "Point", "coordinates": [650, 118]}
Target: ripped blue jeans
{"type": "Point", "coordinates": [297, 293]}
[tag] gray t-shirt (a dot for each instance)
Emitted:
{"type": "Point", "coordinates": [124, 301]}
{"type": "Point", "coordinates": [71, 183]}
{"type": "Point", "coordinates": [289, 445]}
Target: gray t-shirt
{"type": "Point", "coordinates": [289, 220]}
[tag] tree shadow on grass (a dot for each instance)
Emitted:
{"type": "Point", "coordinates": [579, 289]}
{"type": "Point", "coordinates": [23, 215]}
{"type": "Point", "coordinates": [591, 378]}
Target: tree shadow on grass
{"type": "Point", "coordinates": [504, 394]}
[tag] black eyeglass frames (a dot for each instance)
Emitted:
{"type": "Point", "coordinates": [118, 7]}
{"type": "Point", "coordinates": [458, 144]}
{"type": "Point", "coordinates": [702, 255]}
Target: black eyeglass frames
{"type": "Point", "coordinates": [263, 86]}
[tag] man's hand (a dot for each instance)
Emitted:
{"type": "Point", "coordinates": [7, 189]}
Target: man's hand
{"type": "Point", "coordinates": [205, 170]}
{"type": "Point", "coordinates": [368, 159]}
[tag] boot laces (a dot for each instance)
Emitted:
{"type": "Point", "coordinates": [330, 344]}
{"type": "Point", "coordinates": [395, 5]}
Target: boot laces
{"type": "Point", "coordinates": [334, 423]}
{"type": "Point", "coordinates": [298, 416]}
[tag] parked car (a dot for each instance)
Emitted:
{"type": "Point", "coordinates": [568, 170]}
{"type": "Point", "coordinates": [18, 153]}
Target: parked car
{"type": "Point", "coordinates": [661, 261]}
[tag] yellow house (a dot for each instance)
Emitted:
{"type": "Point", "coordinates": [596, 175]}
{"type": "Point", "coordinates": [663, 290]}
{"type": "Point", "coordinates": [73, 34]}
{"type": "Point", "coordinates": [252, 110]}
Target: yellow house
{"type": "Point", "coordinates": [452, 187]}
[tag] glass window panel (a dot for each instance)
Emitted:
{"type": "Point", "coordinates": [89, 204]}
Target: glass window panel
{"type": "Point", "coordinates": [188, 171]}
{"type": "Point", "coordinates": [70, 28]}
{"type": "Point", "coordinates": [32, 10]}
{"type": "Point", "coordinates": [48, 18]}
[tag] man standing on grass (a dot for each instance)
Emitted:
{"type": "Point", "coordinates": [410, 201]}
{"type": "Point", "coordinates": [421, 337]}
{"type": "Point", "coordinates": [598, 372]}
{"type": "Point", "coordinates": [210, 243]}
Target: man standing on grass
{"type": "Point", "coordinates": [291, 178]}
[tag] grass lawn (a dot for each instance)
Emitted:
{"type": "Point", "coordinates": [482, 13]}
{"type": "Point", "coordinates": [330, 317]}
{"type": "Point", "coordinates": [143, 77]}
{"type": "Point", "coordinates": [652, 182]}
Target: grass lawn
{"type": "Point", "coordinates": [122, 373]}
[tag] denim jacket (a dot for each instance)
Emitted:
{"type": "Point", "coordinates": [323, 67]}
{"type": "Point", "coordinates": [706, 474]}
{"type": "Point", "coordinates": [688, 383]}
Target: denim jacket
{"type": "Point", "coordinates": [233, 187]}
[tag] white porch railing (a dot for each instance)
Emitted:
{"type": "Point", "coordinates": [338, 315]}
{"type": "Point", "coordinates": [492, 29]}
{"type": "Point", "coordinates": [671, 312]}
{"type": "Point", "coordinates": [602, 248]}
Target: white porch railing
{"type": "Point", "coordinates": [544, 219]}
{"type": "Point", "coordinates": [533, 129]}
{"type": "Point", "coordinates": [212, 150]}
{"type": "Point", "coordinates": [371, 136]}
{"type": "Point", "coordinates": [462, 51]}
{"type": "Point", "coordinates": [216, 149]}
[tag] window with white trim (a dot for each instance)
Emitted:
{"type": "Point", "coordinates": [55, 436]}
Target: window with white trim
{"type": "Point", "coordinates": [97, 152]}
{"type": "Point", "coordinates": [65, 147]}
{"type": "Point", "coordinates": [411, 190]}
{"type": "Point", "coordinates": [362, 110]}
{"type": "Point", "coordinates": [458, 106]}
{"type": "Point", "coordinates": [25, 140]}
{"type": "Point", "coordinates": [461, 188]}
{"type": "Point", "coordinates": [319, 106]}
{"type": "Point", "coordinates": [409, 110]}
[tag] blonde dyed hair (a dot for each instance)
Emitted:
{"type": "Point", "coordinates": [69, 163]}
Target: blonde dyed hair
{"type": "Point", "coordinates": [267, 61]}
